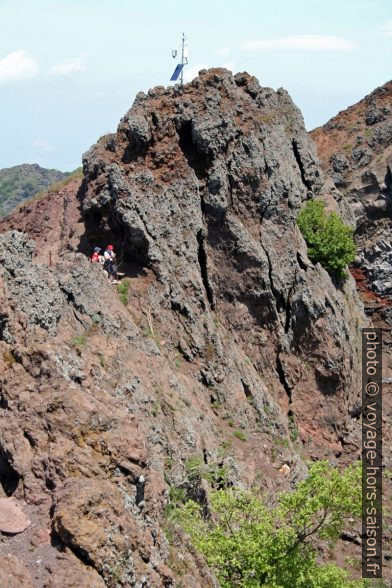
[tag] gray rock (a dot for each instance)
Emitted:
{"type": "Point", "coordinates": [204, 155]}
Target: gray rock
{"type": "Point", "coordinates": [339, 163]}
{"type": "Point", "coordinates": [374, 115]}
{"type": "Point", "coordinates": [138, 134]}
{"type": "Point", "coordinates": [214, 217]}
{"type": "Point", "coordinates": [361, 157]}
{"type": "Point", "coordinates": [381, 136]}
{"type": "Point", "coordinates": [33, 288]}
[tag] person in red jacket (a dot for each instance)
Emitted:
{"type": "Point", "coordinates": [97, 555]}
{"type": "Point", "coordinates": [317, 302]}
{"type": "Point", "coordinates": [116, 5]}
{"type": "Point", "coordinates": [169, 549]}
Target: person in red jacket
{"type": "Point", "coordinates": [96, 257]}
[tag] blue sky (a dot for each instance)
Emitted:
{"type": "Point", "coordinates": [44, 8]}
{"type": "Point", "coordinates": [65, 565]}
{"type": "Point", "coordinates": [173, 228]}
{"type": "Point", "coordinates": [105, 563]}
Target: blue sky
{"type": "Point", "coordinates": [70, 69]}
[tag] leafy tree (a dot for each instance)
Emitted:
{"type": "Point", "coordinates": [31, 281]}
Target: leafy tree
{"type": "Point", "coordinates": [329, 240]}
{"type": "Point", "coordinates": [249, 544]}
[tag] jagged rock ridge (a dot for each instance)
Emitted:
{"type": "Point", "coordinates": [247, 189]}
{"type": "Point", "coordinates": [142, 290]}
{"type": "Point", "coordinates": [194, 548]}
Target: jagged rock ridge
{"type": "Point", "coordinates": [228, 328]}
{"type": "Point", "coordinates": [356, 149]}
{"type": "Point", "coordinates": [208, 180]}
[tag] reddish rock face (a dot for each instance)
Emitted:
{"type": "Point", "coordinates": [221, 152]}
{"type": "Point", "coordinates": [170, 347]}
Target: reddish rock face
{"type": "Point", "coordinates": [12, 518]}
{"type": "Point", "coordinates": [356, 150]}
{"type": "Point", "coordinates": [202, 185]}
{"type": "Point", "coordinates": [54, 222]}
{"type": "Point", "coordinates": [13, 573]}
{"type": "Point", "coordinates": [229, 347]}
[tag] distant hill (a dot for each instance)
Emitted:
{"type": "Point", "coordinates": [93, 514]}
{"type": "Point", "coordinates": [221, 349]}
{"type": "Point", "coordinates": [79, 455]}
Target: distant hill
{"type": "Point", "coordinates": [24, 181]}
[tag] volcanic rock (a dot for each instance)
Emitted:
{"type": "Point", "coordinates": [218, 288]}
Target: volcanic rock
{"type": "Point", "coordinates": [203, 184]}
{"type": "Point", "coordinates": [356, 148]}
{"type": "Point", "coordinates": [13, 574]}
{"type": "Point", "coordinates": [12, 517]}
{"type": "Point", "coordinates": [225, 345]}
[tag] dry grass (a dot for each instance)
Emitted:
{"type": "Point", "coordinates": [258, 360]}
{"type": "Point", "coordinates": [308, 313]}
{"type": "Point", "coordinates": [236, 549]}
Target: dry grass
{"type": "Point", "coordinates": [8, 358]}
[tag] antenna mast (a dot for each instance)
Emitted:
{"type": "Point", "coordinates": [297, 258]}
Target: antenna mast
{"type": "Point", "coordinates": [179, 71]}
{"type": "Point", "coordinates": [184, 57]}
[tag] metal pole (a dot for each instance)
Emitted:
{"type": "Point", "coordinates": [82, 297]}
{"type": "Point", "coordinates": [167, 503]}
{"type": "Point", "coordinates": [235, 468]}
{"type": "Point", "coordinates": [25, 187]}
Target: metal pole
{"type": "Point", "coordinates": [182, 58]}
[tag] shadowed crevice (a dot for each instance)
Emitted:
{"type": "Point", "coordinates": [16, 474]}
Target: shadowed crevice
{"type": "Point", "coordinates": [298, 159]}
{"type": "Point", "coordinates": [202, 257]}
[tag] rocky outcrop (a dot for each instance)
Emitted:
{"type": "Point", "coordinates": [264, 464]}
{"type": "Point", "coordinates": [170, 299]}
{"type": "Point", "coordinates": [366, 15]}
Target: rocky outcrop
{"type": "Point", "coordinates": [67, 436]}
{"type": "Point", "coordinates": [203, 185]}
{"type": "Point", "coordinates": [356, 149]}
{"type": "Point", "coordinates": [230, 348]}
{"type": "Point", "coordinates": [12, 518]}
{"type": "Point", "coordinates": [13, 573]}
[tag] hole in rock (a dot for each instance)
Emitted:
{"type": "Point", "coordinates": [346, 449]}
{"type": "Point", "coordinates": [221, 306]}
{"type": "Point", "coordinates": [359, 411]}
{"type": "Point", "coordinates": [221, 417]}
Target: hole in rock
{"type": "Point", "coordinates": [9, 478]}
{"type": "Point", "coordinates": [130, 242]}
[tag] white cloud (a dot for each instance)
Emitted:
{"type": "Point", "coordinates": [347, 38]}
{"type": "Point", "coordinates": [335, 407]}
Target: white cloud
{"type": "Point", "coordinates": [301, 43]}
{"type": "Point", "coordinates": [193, 72]}
{"type": "Point", "coordinates": [43, 145]}
{"type": "Point", "coordinates": [18, 65]}
{"type": "Point", "coordinates": [387, 28]}
{"type": "Point", "coordinates": [222, 51]}
{"type": "Point", "coordinates": [67, 67]}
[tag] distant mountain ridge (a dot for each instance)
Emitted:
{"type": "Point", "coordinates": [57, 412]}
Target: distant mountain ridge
{"type": "Point", "coordinates": [21, 182]}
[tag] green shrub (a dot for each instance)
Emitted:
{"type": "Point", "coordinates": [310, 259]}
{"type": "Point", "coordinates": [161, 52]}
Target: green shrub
{"type": "Point", "coordinates": [79, 341]}
{"type": "Point", "coordinates": [214, 472]}
{"type": "Point", "coordinates": [329, 240]}
{"type": "Point", "coordinates": [193, 467]}
{"type": "Point", "coordinates": [281, 442]}
{"type": "Point", "coordinates": [155, 409]}
{"type": "Point", "coordinates": [249, 544]}
{"type": "Point", "coordinates": [240, 435]}
{"type": "Point", "coordinates": [294, 433]}
{"type": "Point", "coordinates": [123, 290]}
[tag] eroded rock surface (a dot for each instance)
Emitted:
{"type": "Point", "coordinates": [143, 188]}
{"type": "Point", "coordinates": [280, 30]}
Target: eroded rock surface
{"type": "Point", "coordinates": [356, 149]}
{"type": "Point", "coordinates": [13, 573]}
{"type": "Point", "coordinates": [231, 347]}
{"type": "Point", "coordinates": [203, 184]}
{"type": "Point", "coordinates": [12, 518]}
{"type": "Point", "coordinates": [53, 221]}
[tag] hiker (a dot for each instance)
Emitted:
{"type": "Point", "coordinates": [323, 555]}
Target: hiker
{"type": "Point", "coordinates": [110, 264]}
{"type": "Point", "coordinates": [96, 256]}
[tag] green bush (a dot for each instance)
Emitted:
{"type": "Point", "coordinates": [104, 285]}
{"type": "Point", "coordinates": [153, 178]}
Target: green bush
{"type": "Point", "coordinates": [240, 435]}
{"type": "Point", "coordinates": [123, 291]}
{"type": "Point", "coordinates": [249, 544]}
{"type": "Point", "coordinates": [79, 341]}
{"type": "Point", "coordinates": [329, 240]}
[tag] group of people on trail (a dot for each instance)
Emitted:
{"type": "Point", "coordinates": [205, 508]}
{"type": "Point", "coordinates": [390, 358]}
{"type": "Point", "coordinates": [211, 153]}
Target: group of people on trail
{"type": "Point", "coordinates": [107, 260]}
